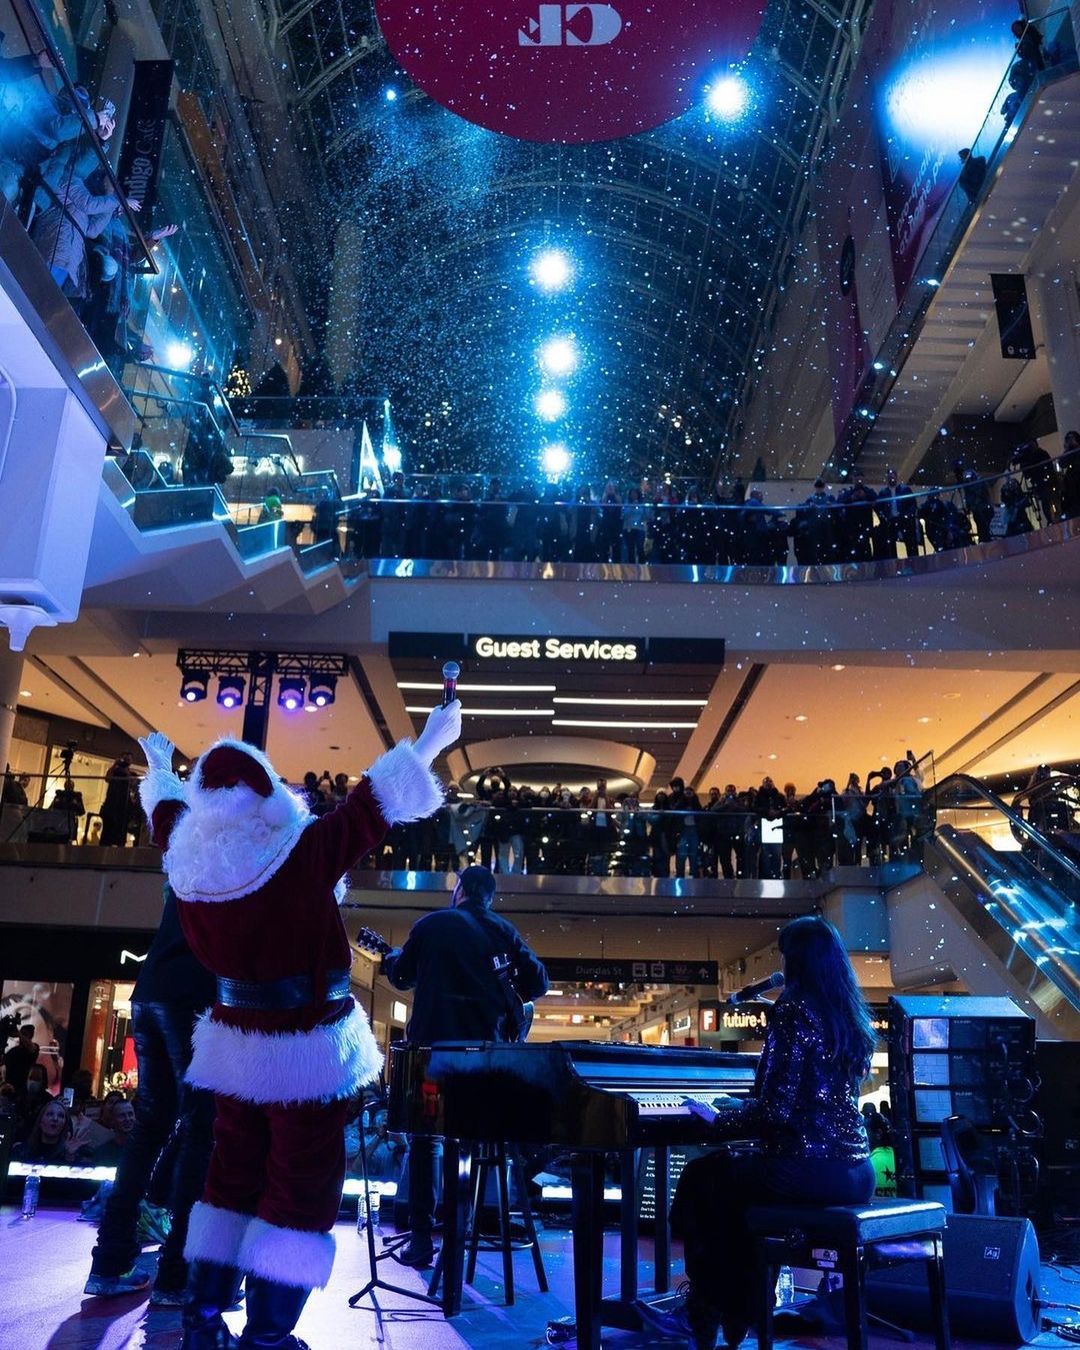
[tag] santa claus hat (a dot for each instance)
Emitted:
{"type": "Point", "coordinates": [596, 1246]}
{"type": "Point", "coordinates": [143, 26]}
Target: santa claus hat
{"type": "Point", "coordinates": [229, 764]}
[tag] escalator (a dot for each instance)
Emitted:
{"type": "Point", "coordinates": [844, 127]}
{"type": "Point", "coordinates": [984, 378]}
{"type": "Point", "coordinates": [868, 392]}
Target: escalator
{"type": "Point", "coordinates": [1016, 887]}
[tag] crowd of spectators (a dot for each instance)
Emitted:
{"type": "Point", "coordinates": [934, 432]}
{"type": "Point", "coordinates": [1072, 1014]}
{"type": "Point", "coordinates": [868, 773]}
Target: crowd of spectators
{"type": "Point", "coordinates": [758, 832]}
{"type": "Point", "coordinates": [54, 176]}
{"type": "Point", "coordinates": [672, 523]}
{"type": "Point", "coordinates": [46, 1130]}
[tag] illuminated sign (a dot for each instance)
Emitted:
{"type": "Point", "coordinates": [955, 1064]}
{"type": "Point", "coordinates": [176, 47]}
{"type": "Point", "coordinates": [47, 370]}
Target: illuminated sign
{"type": "Point", "coordinates": [567, 73]}
{"type": "Point", "coordinates": [556, 649]}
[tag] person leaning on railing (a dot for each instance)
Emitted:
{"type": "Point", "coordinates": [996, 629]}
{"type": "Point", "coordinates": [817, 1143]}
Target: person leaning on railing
{"type": "Point", "coordinates": [34, 120]}
{"type": "Point", "coordinates": [80, 210]}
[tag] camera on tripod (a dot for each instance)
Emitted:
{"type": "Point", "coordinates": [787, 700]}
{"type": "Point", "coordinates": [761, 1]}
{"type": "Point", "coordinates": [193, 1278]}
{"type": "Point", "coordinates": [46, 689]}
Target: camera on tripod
{"type": "Point", "coordinates": [67, 755]}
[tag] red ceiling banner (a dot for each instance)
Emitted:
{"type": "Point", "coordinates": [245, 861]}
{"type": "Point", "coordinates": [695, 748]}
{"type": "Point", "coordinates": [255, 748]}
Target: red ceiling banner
{"type": "Point", "coordinates": [568, 73]}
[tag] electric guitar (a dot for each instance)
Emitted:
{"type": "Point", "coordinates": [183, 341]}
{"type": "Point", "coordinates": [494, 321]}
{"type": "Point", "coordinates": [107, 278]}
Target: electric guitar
{"type": "Point", "coordinates": [517, 1018]}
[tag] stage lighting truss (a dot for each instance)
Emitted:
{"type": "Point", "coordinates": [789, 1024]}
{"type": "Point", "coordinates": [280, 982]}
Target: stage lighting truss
{"type": "Point", "coordinates": [322, 690]}
{"type": "Point", "coordinates": [291, 693]}
{"type": "Point", "coordinates": [254, 672]}
{"type": "Point", "coordinates": [193, 684]}
{"type": "Point", "coordinates": [230, 691]}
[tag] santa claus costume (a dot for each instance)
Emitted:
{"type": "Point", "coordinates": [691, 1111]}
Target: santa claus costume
{"type": "Point", "coordinates": [285, 1045]}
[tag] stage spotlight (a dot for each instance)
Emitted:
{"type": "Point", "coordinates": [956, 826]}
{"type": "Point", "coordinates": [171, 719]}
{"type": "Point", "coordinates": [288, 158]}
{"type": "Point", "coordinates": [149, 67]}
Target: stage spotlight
{"type": "Point", "coordinates": [551, 405]}
{"type": "Point", "coordinates": [179, 355]}
{"type": "Point", "coordinates": [559, 356]}
{"type": "Point", "coordinates": [230, 692]}
{"type": "Point", "coordinates": [392, 458]}
{"type": "Point", "coordinates": [556, 460]}
{"type": "Point", "coordinates": [552, 270]}
{"type": "Point", "coordinates": [390, 94]}
{"type": "Point", "coordinates": [728, 98]}
{"type": "Point", "coordinates": [290, 693]}
{"type": "Point", "coordinates": [322, 690]}
{"type": "Point", "coordinates": [193, 685]}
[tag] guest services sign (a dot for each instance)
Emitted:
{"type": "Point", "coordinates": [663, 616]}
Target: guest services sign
{"type": "Point", "coordinates": [567, 73]}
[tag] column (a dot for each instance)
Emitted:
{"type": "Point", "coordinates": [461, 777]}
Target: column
{"type": "Point", "coordinates": [1056, 306]}
{"type": "Point", "coordinates": [11, 667]}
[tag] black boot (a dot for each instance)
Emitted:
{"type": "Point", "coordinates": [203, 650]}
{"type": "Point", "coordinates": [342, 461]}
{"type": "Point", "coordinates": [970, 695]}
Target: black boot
{"type": "Point", "coordinates": [211, 1289]}
{"type": "Point", "coordinates": [272, 1312]}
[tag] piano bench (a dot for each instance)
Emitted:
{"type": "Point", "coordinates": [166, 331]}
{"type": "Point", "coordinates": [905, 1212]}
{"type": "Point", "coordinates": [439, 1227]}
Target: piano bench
{"type": "Point", "coordinates": [850, 1240]}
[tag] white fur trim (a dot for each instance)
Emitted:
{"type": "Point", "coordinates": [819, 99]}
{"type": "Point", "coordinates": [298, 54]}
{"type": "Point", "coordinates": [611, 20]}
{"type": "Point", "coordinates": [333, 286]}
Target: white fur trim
{"type": "Point", "coordinates": [287, 1255]}
{"type": "Point", "coordinates": [215, 1234]}
{"type": "Point", "coordinates": [159, 785]}
{"type": "Point", "coordinates": [404, 786]}
{"type": "Point", "coordinates": [231, 841]}
{"type": "Point", "coordinates": [321, 1065]}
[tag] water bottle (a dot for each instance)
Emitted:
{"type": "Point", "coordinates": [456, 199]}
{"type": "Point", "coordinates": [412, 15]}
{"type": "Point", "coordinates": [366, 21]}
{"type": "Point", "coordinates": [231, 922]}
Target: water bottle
{"type": "Point", "coordinates": [31, 1191]}
{"type": "Point", "coordinates": [375, 1206]}
{"type": "Point", "coordinates": [361, 1213]}
{"type": "Point", "coordinates": [785, 1288]}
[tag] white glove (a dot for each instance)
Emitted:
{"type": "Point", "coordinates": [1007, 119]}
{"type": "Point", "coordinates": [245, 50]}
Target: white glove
{"type": "Point", "coordinates": [158, 750]}
{"type": "Point", "coordinates": [441, 730]}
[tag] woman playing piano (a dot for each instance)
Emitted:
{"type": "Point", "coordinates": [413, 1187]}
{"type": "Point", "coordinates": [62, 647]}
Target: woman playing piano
{"type": "Point", "coordinates": [804, 1112]}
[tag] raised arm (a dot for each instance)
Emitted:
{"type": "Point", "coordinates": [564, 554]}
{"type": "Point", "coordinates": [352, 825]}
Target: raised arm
{"type": "Point", "coordinates": [161, 793]}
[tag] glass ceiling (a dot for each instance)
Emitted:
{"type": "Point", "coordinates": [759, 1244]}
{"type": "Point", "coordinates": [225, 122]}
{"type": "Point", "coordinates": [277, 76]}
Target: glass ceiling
{"type": "Point", "coordinates": [680, 239]}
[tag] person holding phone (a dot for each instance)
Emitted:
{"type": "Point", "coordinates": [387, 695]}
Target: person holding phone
{"type": "Point", "coordinates": [804, 1114]}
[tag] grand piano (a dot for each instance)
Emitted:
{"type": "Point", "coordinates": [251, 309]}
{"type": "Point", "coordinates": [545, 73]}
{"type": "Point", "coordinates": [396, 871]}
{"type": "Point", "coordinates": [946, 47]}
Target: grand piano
{"type": "Point", "coordinates": [590, 1098]}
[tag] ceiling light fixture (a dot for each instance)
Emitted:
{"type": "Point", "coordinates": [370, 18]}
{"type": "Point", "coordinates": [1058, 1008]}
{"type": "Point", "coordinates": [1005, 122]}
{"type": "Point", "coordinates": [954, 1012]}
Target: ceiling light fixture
{"type": "Point", "coordinates": [490, 712]}
{"type": "Point", "coordinates": [480, 688]}
{"type": "Point", "coordinates": [626, 726]}
{"type": "Point", "coordinates": [637, 702]}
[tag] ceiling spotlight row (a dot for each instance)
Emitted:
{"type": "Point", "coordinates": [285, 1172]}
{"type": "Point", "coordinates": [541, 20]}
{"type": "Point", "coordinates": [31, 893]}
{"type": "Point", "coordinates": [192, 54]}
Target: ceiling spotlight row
{"type": "Point", "coordinates": [320, 691]}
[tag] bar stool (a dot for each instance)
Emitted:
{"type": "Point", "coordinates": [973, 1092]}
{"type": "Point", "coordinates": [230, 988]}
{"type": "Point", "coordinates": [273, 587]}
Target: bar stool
{"type": "Point", "coordinates": [850, 1239]}
{"type": "Point", "coordinates": [492, 1159]}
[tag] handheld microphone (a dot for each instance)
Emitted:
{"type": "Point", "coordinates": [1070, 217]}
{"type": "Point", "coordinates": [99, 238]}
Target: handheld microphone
{"type": "Point", "coordinates": [759, 987]}
{"type": "Point", "coordinates": [450, 673]}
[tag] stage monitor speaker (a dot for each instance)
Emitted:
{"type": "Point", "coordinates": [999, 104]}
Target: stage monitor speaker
{"type": "Point", "coordinates": [991, 1277]}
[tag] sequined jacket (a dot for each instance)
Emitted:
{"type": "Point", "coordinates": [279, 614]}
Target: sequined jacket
{"type": "Point", "coordinates": [803, 1105]}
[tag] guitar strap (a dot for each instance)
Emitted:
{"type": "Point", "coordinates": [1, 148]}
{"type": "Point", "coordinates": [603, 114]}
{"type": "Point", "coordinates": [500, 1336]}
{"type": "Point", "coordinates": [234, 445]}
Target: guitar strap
{"type": "Point", "coordinates": [503, 973]}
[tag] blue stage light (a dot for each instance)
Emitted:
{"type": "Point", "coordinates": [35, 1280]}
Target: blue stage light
{"type": "Point", "coordinates": [559, 356]}
{"type": "Point", "coordinates": [552, 270]}
{"type": "Point", "coordinates": [551, 405]}
{"type": "Point", "coordinates": [179, 355]}
{"type": "Point", "coordinates": [728, 98]}
{"type": "Point", "coordinates": [390, 94]}
{"type": "Point", "coordinates": [556, 460]}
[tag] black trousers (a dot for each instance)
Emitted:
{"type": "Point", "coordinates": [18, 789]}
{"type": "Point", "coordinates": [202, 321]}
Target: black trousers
{"type": "Point", "coordinates": [424, 1152]}
{"type": "Point", "coordinates": [164, 1104]}
{"type": "Point", "coordinates": [709, 1215]}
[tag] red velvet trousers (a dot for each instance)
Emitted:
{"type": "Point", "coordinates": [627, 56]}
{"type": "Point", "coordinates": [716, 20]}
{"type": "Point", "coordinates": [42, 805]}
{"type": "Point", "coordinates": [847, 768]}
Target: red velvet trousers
{"type": "Point", "coordinates": [285, 1164]}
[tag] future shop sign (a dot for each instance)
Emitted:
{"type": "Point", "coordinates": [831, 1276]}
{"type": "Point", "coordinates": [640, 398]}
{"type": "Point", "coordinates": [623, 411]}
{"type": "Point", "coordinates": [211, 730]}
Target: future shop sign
{"type": "Point", "coordinates": [567, 73]}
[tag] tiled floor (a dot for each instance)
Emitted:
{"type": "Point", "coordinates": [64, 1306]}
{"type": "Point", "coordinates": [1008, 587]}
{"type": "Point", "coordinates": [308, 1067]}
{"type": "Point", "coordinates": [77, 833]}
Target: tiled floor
{"type": "Point", "coordinates": [44, 1262]}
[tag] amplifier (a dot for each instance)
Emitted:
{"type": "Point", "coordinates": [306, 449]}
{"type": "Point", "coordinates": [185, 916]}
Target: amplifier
{"type": "Point", "coordinates": [991, 1278]}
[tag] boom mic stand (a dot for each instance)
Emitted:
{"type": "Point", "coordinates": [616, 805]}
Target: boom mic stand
{"type": "Point", "coordinates": [376, 1285]}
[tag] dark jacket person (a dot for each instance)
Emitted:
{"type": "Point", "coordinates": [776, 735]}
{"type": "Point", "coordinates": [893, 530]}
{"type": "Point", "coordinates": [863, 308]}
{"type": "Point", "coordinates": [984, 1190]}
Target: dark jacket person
{"type": "Point", "coordinates": [452, 959]}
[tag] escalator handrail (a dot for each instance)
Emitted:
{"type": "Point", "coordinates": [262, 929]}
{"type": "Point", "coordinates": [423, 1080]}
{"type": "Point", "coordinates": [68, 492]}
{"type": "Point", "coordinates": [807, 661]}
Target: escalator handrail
{"type": "Point", "coordinates": [1050, 787]}
{"type": "Point", "coordinates": [1016, 820]}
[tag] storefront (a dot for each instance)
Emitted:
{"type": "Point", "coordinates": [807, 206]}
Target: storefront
{"type": "Point", "coordinates": [75, 986]}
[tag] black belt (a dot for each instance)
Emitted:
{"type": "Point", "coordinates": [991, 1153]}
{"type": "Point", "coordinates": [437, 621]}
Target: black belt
{"type": "Point", "coordinates": [295, 991]}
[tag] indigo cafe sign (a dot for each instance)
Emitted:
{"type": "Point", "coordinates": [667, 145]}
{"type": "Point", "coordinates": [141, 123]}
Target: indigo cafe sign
{"type": "Point", "coordinates": [568, 73]}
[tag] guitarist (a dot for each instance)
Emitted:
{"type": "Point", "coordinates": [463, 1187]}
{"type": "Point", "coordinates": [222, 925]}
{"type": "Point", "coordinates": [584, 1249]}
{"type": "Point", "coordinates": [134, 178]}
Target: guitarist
{"type": "Point", "coordinates": [471, 970]}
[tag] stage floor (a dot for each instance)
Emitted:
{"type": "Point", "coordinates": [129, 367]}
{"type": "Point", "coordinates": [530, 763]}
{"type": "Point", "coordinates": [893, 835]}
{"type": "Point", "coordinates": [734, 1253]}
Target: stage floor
{"type": "Point", "coordinates": [44, 1263]}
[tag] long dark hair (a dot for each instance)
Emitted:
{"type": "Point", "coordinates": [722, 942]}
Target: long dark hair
{"type": "Point", "coordinates": [818, 971]}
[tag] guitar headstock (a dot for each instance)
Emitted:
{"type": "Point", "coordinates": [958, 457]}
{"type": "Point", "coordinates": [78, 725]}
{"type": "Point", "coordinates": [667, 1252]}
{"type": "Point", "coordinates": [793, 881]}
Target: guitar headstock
{"type": "Point", "coordinates": [370, 941]}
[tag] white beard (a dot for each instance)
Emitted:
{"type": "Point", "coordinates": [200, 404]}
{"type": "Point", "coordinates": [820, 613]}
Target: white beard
{"type": "Point", "coordinates": [231, 841]}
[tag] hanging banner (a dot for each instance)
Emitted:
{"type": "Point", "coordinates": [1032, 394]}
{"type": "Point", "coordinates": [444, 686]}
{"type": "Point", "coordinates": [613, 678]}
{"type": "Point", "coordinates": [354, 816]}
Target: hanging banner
{"type": "Point", "coordinates": [568, 73]}
{"type": "Point", "coordinates": [144, 135]}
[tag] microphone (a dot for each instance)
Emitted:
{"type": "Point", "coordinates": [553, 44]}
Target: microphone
{"type": "Point", "coordinates": [759, 987]}
{"type": "Point", "coordinates": [450, 673]}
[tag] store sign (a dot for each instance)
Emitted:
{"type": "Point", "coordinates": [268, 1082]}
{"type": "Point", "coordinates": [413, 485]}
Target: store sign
{"type": "Point", "coordinates": [567, 73]}
{"type": "Point", "coordinates": [583, 651]}
{"type": "Point", "coordinates": [144, 135]}
{"type": "Point", "coordinates": [574, 971]}
{"type": "Point", "coordinates": [727, 1023]}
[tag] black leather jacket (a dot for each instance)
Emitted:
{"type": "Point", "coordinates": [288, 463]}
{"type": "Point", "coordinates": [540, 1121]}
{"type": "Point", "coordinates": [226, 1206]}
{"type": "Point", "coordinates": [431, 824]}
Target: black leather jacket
{"type": "Point", "coordinates": [803, 1105]}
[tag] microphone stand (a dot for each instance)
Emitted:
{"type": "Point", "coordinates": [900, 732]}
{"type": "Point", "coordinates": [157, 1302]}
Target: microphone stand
{"type": "Point", "coordinates": [376, 1285]}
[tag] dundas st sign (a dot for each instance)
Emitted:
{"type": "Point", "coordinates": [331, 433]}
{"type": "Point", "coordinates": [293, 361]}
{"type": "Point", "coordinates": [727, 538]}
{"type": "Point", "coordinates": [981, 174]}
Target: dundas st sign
{"type": "Point", "coordinates": [568, 73]}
